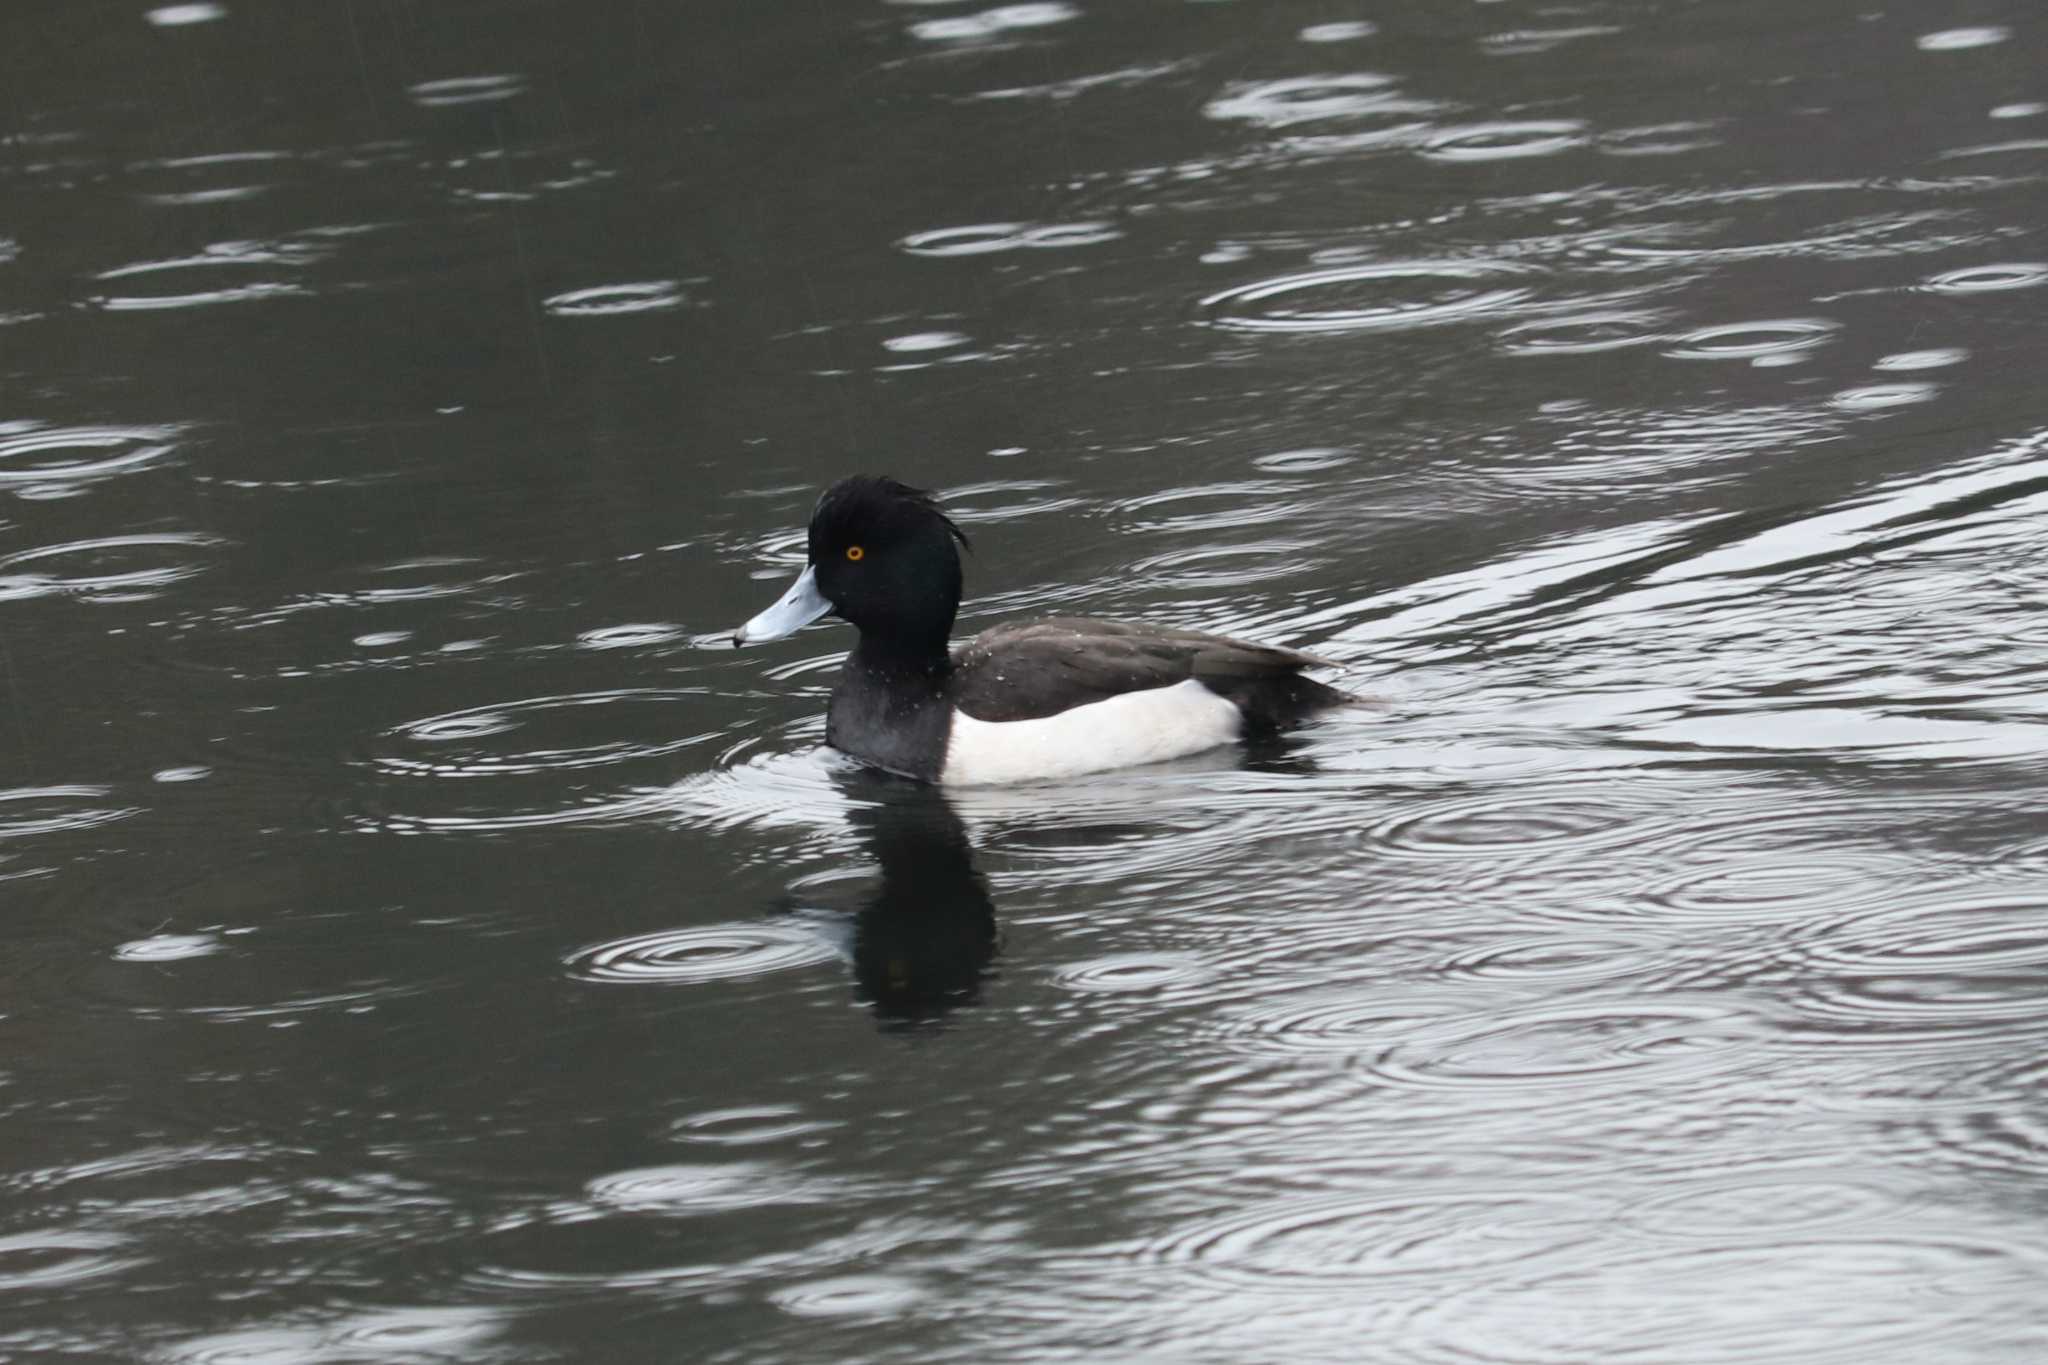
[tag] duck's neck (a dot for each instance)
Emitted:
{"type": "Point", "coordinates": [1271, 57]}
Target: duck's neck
{"type": "Point", "coordinates": [900, 662]}
{"type": "Point", "coordinates": [890, 707]}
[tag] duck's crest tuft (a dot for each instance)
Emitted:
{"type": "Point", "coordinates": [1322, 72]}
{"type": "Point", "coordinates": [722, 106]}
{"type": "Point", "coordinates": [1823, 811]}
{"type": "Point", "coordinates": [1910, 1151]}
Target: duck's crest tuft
{"type": "Point", "coordinates": [877, 499]}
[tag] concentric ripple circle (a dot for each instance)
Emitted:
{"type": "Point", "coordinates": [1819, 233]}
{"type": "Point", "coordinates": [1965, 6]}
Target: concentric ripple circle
{"type": "Point", "coordinates": [1938, 970]}
{"type": "Point", "coordinates": [1746, 884]}
{"type": "Point", "coordinates": [168, 948]}
{"type": "Point", "coordinates": [70, 454]}
{"type": "Point", "coordinates": [579, 730]}
{"type": "Point", "coordinates": [1561, 1043]}
{"type": "Point", "coordinates": [111, 569]}
{"type": "Point", "coordinates": [1336, 1020]}
{"type": "Point", "coordinates": [1303, 99]}
{"type": "Point", "coordinates": [30, 811]}
{"type": "Point", "coordinates": [1817, 1301]}
{"type": "Point", "coordinates": [718, 952]}
{"type": "Point", "coordinates": [985, 238]}
{"type": "Point", "coordinates": [1581, 334]}
{"type": "Point", "coordinates": [1385, 296]}
{"type": "Point", "coordinates": [1988, 1119]}
{"type": "Point", "coordinates": [459, 90]}
{"type": "Point", "coordinates": [1545, 957]}
{"type": "Point", "coordinates": [1988, 279]}
{"type": "Point", "coordinates": [499, 767]}
{"type": "Point", "coordinates": [1505, 141]}
{"type": "Point", "coordinates": [855, 1296]}
{"type": "Point", "coordinates": [1224, 566]}
{"type": "Point", "coordinates": [1716, 1209]}
{"type": "Point", "coordinates": [1489, 825]}
{"type": "Point", "coordinates": [1754, 340]}
{"type": "Point", "coordinates": [1127, 972]}
{"type": "Point", "coordinates": [705, 1187]}
{"type": "Point", "coordinates": [606, 300]}
{"type": "Point", "coordinates": [636, 636]}
{"type": "Point", "coordinates": [753, 1126]}
{"type": "Point", "coordinates": [226, 272]}
{"type": "Point", "coordinates": [1877, 397]}
{"type": "Point", "coordinates": [1309, 1245]}
{"type": "Point", "coordinates": [53, 1258]}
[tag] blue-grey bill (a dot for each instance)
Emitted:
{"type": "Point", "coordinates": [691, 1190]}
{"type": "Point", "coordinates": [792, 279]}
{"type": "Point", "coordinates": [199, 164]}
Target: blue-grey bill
{"type": "Point", "coordinates": [798, 607]}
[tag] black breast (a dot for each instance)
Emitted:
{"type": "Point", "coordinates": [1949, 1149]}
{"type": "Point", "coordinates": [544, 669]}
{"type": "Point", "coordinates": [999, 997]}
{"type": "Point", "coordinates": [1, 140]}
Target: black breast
{"type": "Point", "coordinates": [898, 720]}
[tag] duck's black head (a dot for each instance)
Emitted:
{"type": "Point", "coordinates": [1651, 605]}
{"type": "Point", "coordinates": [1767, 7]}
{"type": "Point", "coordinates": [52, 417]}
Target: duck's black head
{"type": "Point", "coordinates": [888, 560]}
{"type": "Point", "coordinates": [883, 556]}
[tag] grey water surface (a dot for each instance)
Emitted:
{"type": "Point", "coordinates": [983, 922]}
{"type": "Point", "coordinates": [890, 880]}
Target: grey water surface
{"type": "Point", "coordinates": [423, 938]}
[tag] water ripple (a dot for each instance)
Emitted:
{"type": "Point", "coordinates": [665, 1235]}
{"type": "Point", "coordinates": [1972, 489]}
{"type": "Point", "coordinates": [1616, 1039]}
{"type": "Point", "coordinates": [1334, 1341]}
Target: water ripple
{"type": "Point", "coordinates": [1583, 333]}
{"type": "Point", "coordinates": [851, 1296]}
{"type": "Point", "coordinates": [1544, 958]}
{"type": "Point", "coordinates": [1388, 296]}
{"type": "Point", "coordinates": [1753, 341]}
{"type": "Point", "coordinates": [30, 811]}
{"type": "Point", "coordinates": [1744, 884]}
{"type": "Point", "coordinates": [986, 238]}
{"type": "Point", "coordinates": [579, 730]}
{"type": "Point", "coordinates": [1344, 1021]}
{"type": "Point", "coordinates": [1489, 826]}
{"type": "Point", "coordinates": [707, 1187]}
{"type": "Point", "coordinates": [112, 569]}
{"type": "Point", "coordinates": [1933, 358]}
{"type": "Point", "coordinates": [1814, 1301]}
{"type": "Point", "coordinates": [1529, 41]}
{"type": "Point", "coordinates": [1943, 971]}
{"type": "Point", "coordinates": [1989, 279]}
{"type": "Point", "coordinates": [753, 1126]}
{"type": "Point", "coordinates": [1225, 566]}
{"type": "Point", "coordinates": [394, 1336]}
{"type": "Point", "coordinates": [213, 178]}
{"type": "Point", "coordinates": [1745, 1206]}
{"type": "Point", "coordinates": [1344, 31]}
{"type": "Point", "coordinates": [1560, 1044]}
{"type": "Point", "coordinates": [1206, 508]}
{"type": "Point", "coordinates": [995, 22]}
{"type": "Point", "coordinates": [219, 274]}
{"type": "Point", "coordinates": [39, 458]}
{"type": "Point", "coordinates": [460, 90]}
{"type": "Point", "coordinates": [1314, 1244]}
{"type": "Point", "coordinates": [719, 952]}
{"type": "Point", "coordinates": [1307, 460]}
{"type": "Point", "coordinates": [1304, 99]}
{"type": "Point", "coordinates": [57, 1258]}
{"type": "Point", "coordinates": [168, 948]}
{"type": "Point", "coordinates": [1988, 1118]}
{"type": "Point", "coordinates": [1879, 397]}
{"type": "Point", "coordinates": [1961, 39]}
{"type": "Point", "coordinates": [179, 16]}
{"type": "Point", "coordinates": [1504, 141]}
{"type": "Point", "coordinates": [637, 636]}
{"type": "Point", "coordinates": [610, 300]}
{"type": "Point", "coordinates": [499, 767]}
{"type": "Point", "coordinates": [1135, 972]}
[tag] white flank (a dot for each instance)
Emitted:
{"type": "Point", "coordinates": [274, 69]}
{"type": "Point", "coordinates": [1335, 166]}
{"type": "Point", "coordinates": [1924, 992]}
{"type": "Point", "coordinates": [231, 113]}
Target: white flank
{"type": "Point", "coordinates": [1136, 727]}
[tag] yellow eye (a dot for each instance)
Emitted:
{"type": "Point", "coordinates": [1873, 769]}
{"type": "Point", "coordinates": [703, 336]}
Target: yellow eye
{"type": "Point", "coordinates": [854, 552]}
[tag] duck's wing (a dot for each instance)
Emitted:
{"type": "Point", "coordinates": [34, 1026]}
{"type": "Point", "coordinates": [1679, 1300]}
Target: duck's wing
{"type": "Point", "coordinates": [1041, 668]}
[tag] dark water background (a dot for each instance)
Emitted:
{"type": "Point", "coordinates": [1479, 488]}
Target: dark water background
{"type": "Point", "coordinates": [422, 940]}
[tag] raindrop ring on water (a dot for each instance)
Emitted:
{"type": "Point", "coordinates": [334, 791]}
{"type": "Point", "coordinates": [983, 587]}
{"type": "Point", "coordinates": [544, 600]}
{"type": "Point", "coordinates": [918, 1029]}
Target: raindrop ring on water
{"type": "Point", "coordinates": [1363, 298]}
{"type": "Point", "coordinates": [722, 952]}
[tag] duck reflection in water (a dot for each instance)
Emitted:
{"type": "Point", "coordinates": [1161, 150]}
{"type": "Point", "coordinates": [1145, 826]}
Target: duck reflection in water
{"type": "Point", "coordinates": [923, 938]}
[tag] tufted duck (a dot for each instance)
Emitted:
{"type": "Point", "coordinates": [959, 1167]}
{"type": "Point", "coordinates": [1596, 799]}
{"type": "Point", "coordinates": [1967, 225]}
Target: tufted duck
{"type": "Point", "coordinates": [1040, 699]}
